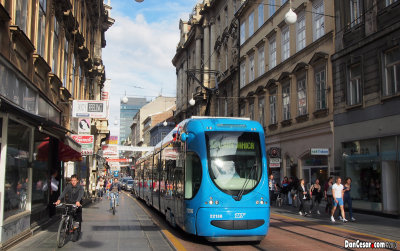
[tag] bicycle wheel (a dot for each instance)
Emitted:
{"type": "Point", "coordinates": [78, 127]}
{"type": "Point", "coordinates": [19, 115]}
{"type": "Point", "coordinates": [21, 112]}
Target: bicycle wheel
{"type": "Point", "coordinates": [62, 232]}
{"type": "Point", "coordinates": [114, 206]}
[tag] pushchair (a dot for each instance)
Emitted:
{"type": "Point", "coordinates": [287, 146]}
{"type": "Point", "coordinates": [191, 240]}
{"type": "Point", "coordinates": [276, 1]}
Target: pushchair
{"type": "Point", "coordinates": [279, 197]}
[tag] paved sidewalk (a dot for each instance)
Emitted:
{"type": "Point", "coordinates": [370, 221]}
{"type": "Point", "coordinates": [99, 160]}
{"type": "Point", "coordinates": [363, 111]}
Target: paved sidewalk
{"type": "Point", "coordinates": [129, 229]}
{"type": "Point", "coordinates": [373, 225]}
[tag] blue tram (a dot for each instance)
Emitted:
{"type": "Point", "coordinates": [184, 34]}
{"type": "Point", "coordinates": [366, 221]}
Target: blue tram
{"type": "Point", "coordinates": [209, 177]}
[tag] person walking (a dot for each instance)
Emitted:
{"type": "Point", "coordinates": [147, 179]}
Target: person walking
{"type": "Point", "coordinates": [347, 197]}
{"type": "Point", "coordinates": [303, 197]}
{"type": "Point", "coordinates": [316, 195]}
{"type": "Point", "coordinates": [289, 189]}
{"type": "Point", "coordinates": [328, 195]}
{"type": "Point", "coordinates": [337, 193]}
{"type": "Point", "coordinates": [100, 188]}
{"type": "Point", "coordinates": [272, 188]}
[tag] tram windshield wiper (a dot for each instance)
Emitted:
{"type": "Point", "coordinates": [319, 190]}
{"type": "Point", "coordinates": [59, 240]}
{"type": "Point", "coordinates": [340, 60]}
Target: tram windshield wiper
{"type": "Point", "coordinates": [238, 197]}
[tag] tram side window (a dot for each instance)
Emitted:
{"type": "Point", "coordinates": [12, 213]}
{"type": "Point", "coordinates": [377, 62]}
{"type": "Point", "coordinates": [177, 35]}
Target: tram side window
{"type": "Point", "coordinates": [193, 175]}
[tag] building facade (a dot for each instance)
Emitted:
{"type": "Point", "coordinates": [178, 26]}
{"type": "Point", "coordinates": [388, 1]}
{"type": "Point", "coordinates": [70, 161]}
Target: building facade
{"type": "Point", "coordinates": [366, 100]}
{"type": "Point", "coordinates": [127, 113]}
{"type": "Point", "coordinates": [206, 61]}
{"type": "Point", "coordinates": [285, 83]}
{"type": "Point", "coordinates": [50, 54]}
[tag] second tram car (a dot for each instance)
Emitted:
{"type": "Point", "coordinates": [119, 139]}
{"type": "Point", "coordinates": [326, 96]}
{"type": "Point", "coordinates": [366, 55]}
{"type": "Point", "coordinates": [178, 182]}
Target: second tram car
{"type": "Point", "coordinates": [209, 177]}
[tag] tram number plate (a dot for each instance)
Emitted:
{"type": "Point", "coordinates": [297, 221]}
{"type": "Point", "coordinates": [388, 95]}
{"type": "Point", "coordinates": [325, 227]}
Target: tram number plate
{"type": "Point", "coordinates": [239, 215]}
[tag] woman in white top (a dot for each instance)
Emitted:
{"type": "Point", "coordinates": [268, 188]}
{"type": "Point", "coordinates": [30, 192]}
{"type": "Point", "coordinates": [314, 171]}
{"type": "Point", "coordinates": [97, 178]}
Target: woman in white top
{"type": "Point", "coordinates": [303, 196]}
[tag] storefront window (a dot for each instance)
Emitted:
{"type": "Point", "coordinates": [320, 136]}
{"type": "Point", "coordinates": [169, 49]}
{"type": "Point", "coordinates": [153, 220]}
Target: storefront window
{"type": "Point", "coordinates": [390, 196]}
{"type": "Point", "coordinates": [16, 181]}
{"type": "Point", "coordinates": [315, 167]}
{"type": "Point", "coordinates": [363, 166]}
{"type": "Point", "coordinates": [40, 172]}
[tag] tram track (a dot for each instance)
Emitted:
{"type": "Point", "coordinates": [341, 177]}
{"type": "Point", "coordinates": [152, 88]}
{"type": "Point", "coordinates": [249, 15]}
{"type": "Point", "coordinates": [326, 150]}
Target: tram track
{"type": "Point", "coordinates": [308, 227]}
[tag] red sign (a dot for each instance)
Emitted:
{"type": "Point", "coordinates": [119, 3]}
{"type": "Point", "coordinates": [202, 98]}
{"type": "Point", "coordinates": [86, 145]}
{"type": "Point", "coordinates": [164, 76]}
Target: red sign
{"type": "Point", "coordinates": [86, 141]}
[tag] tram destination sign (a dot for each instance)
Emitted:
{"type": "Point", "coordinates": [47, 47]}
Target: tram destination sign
{"type": "Point", "coordinates": [319, 151]}
{"type": "Point", "coordinates": [89, 109]}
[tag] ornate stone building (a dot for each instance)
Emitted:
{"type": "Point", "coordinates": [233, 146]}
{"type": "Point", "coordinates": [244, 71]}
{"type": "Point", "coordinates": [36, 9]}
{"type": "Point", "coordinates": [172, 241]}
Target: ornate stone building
{"type": "Point", "coordinates": [50, 54]}
{"type": "Point", "coordinates": [286, 83]}
{"type": "Point", "coordinates": [206, 61]}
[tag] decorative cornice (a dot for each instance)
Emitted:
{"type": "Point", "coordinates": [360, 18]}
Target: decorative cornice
{"type": "Point", "coordinates": [19, 36]}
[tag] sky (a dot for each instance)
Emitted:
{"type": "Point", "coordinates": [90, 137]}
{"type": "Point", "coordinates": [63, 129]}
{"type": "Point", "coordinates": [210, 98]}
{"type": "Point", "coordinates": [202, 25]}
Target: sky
{"type": "Point", "coordinates": [140, 47]}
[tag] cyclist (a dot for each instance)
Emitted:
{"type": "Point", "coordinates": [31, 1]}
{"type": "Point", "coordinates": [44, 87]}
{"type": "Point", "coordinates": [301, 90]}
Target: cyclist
{"type": "Point", "coordinates": [115, 188]}
{"type": "Point", "coordinates": [74, 192]}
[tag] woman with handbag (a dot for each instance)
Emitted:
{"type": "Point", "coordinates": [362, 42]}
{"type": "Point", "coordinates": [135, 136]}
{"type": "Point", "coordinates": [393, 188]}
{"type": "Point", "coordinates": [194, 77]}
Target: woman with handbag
{"type": "Point", "coordinates": [303, 197]}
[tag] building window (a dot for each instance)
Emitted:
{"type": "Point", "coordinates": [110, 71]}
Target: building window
{"type": "Point", "coordinates": [301, 31]}
{"type": "Point", "coordinates": [242, 32]}
{"type": "Point", "coordinates": [301, 96]}
{"type": "Point", "coordinates": [41, 28]}
{"type": "Point", "coordinates": [73, 76]}
{"type": "Point", "coordinates": [320, 87]}
{"type": "Point", "coordinates": [391, 83]}
{"type": "Point", "coordinates": [16, 173]}
{"type": "Point", "coordinates": [251, 72]}
{"type": "Point", "coordinates": [389, 2]}
{"type": "Point", "coordinates": [354, 86]}
{"type": "Point", "coordinates": [242, 74]}
{"type": "Point", "coordinates": [272, 8]}
{"type": "Point", "coordinates": [251, 24]}
{"type": "Point", "coordinates": [272, 107]}
{"type": "Point", "coordinates": [65, 77]}
{"type": "Point", "coordinates": [286, 101]}
{"type": "Point", "coordinates": [55, 46]}
{"type": "Point", "coordinates": [355, 12]}
{"type": "Point", "coordinates": [242, 114]}
{"type": "Point", "coordinates": [272, 53]}
{"type": "Point", "coordinates": [318, 19]}
{"type": "Point", "coordinates": [21, 14]}
{"type": "Point", "coordinates": [261, 111]}
{"type": "Point", "coordinates": [285, 43]}
{"type": "Point", "coordinates": [260, 15]}
{"type": "Point", "coordinates": [251, 111]}
{"type": "Point", "coordinates": [261, 61]}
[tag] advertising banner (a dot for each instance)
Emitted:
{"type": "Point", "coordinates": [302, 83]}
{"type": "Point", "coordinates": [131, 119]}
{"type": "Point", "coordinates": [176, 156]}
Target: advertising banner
{"type": "Point", "coordinates": [89, 109]}
{"type": "Point", "coordinates": [84, 126]}
{"type": "Point", "coordinates": [86, 141]}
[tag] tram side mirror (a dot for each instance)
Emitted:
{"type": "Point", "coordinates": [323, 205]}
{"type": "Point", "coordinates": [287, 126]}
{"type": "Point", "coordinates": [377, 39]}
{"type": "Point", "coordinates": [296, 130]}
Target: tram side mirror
{"type": "Point", "coordinates": [184, 137]}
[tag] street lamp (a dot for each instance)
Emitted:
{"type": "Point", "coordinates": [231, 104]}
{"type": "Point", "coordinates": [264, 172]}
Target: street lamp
{"type": "Point", "coordinates": [192, 102]}
{"type": "Point", "coordinates": [290, 16]}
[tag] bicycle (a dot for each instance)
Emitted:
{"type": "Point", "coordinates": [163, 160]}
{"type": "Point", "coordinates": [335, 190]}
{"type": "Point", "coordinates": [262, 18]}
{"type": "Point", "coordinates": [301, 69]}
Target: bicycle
{"type": "Point", "coordinates": [113, 203]}
{"type": "Point", "coordinates": [67, 224]}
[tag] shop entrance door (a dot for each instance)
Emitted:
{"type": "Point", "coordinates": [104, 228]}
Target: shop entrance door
{"type": "Point", "coordinates": [311, 173]}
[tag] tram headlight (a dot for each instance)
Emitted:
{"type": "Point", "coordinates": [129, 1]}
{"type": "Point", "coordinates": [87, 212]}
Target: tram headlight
{"type": "Point", "coordinates": [257, 202]}
{"type": "Point", "coordinates": [262, 202]}
{"type": "Point", "coordinates": [216, 202]}
{"type": "Point", "coordinates": [210, 202]}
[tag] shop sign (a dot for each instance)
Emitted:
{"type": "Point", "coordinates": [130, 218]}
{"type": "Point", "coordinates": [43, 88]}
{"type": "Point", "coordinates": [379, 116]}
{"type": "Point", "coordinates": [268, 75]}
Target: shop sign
{"type": "Point", "coordinates": [84, 126]}
{"type": "Point", "coordinates": [86, 141]}
{"type": "Point", "coordinates": [319, 151]}
{"type": "Point", "coordinates": [275, 160]}
{"type": "Point", "coordinates": [274, 164]}
{"type": "Point", "coordinates": [275, 152]}
{"type": "Point", "coordinates": [89, 109]}
{"type": "Point", "coordinates": [110, 151]}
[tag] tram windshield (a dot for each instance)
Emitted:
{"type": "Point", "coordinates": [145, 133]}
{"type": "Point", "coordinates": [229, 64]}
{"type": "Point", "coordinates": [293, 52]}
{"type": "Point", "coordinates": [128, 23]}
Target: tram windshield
{"type": "Point", "coordinates": [234, 160]}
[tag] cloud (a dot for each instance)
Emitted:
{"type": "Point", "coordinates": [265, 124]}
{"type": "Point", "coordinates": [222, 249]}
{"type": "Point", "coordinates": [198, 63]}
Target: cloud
{"type": "Point", "coordinates": [140, 47]}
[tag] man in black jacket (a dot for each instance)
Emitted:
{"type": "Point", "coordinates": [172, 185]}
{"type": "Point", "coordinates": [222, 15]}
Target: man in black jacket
{"type": "Point", "coordinates": [73, 194]}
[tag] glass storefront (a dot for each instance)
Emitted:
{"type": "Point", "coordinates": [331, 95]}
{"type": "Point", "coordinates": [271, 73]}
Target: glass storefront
{"type": "Point", "coordinates": [315, 167]}
{"type": "Point", "coordinates": [16, 180]}
{"type": "Point", "coordinates": [373, 166]}
{"type": "Point", "coordinates": [40, 172]}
